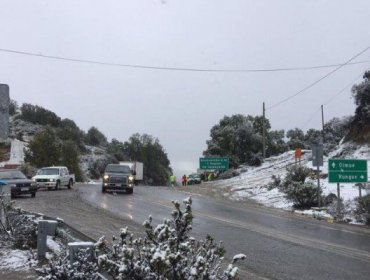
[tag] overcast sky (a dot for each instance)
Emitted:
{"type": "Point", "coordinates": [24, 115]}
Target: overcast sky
{"type": "Point", "coordinates": [180, 107]}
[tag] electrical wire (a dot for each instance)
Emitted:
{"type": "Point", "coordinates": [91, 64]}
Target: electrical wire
{"type": "Point", "coordinates": [178, 68]}
{"type": "Point", "coordinates": [317, 81]}
{"type": "Point", "coordinates": [332, 98]}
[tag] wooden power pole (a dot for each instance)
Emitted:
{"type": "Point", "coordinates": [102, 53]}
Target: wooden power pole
{"type": "Point", "coordinates": [263, 131]}
{"type": "Point", "coordinates": [322, 119]}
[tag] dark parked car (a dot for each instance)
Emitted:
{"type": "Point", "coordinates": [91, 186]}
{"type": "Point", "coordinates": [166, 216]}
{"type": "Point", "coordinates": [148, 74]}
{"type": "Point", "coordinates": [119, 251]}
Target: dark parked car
{"type": "Point", "coordinates": [194, 179]}
{"type": "Point", "coordinates": [18, 182]}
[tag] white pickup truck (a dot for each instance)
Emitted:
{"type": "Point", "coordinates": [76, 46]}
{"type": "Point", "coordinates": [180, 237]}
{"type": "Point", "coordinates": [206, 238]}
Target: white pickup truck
{"type": "Point", "coordinates": [54, 177]}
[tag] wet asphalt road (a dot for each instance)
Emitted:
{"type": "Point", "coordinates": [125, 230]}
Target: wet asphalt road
{"type": "Point", "coordinates": [278, 245]}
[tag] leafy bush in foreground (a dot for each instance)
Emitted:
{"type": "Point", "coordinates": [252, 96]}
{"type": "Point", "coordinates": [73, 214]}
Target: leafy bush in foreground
{"type": "Point", "coordinates": [167, 252]}
{"type": "Point", "coordinates": [16, 226]}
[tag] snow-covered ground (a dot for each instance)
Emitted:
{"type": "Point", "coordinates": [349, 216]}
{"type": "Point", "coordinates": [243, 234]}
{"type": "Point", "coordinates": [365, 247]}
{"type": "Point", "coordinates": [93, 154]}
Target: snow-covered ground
{"type": "Point", "coordinates": [15, 260]}
{"type": "Point", "coordinates": [253, 183]}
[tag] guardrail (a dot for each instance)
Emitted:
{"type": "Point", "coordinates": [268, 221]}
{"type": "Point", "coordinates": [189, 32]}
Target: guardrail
{"type": "Point", "coordinates": [69, 232]}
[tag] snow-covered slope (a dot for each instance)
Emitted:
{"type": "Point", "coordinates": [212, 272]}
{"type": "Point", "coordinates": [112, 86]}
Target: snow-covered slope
{"type": "Point", "coordinates": [253, 183]}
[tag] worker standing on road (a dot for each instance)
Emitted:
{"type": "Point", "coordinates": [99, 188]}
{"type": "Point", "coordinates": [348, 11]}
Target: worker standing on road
{"type": "Point", "coordinates": [211, 176]}
{"type": "Point", "coordinates": [184, 180]}
{"type": "Point", "coordinates": [172, 180]}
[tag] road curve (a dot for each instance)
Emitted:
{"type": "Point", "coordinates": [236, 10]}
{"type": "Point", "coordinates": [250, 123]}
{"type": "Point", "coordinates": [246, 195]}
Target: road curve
{"type": "Point", "coordinates": [278, 244]}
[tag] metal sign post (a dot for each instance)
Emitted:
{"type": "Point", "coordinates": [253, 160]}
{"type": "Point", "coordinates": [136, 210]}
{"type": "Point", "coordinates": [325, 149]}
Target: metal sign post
{"type": "Point", "coordinates": [318, 160]}
{"type": "Point", "coordinates": [347, 171]}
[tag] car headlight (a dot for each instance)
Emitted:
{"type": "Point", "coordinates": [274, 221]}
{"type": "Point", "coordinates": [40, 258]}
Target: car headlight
{"type": "Point", "coordinates": [33, 185]}
{"type": "Point", "coordinates": [12, 185]}
{"type": "Point", "coordinates": [130, 178]}
{"type": "Point", "coordinates": [106, 177]}
{"type": "Point", "coordinates": [52, 180]}
{"type": "Point", "coordinates": [33, 179]}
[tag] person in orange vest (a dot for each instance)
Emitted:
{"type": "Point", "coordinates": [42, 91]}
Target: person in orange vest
{"type": "Point", "coordinates": [184, 180]}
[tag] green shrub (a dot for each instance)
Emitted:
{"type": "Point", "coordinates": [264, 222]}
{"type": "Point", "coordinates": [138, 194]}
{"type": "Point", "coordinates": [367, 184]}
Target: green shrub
{"type": "Point", "coordinates": [297, 173]}
{"type": "Point", "coordinates": [303, 195]}
{"type": "Point", "coordinates": [363, 207]}
{"type": "Point", "coordinates": [37, 114]}
{"type": "Point", "coordinates": [275, 183]}
{"type": "Point", "coordinates": [95, 138]}
{"type": "Point", "coordinates": [294, 186]}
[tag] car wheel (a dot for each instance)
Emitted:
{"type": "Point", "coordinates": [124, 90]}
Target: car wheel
{"type": "Point", "coordinates": [70, 184]}
{"type": "Point", "coordinates": [33, 194]}
{"type": "Point", "coordinates": [57, 185]}
{"type": "Point", "coordinates": [130, 191]}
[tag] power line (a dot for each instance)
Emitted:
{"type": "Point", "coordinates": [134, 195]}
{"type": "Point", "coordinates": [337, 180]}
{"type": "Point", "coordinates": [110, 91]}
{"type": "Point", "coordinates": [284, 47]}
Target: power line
{"type": "Point", "coordinates": [310, 118]}
{"type": "Point", "coordinates": [317, 81]}
{"type": "Point", "coordinates": [179, 68]}
{"type": "Point", "coordinates": [343, 89]}
{"type": "Point", "coordinates": [331, 99]}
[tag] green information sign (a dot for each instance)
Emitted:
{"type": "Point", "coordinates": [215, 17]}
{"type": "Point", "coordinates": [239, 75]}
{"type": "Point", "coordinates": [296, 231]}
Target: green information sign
{"type": "Point", "coordinates": [347, 171]}
{"type": "Point", "coordinates": [214, 163]}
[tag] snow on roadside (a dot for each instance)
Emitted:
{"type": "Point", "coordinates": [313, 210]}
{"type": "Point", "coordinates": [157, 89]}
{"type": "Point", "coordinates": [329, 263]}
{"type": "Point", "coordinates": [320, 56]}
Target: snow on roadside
{"type": "Point", "coordinates": [16, 260]}
{"type": "Point", "coordinates": [252, 184]}
{"type": "Point", "coordinates": [53, 245]}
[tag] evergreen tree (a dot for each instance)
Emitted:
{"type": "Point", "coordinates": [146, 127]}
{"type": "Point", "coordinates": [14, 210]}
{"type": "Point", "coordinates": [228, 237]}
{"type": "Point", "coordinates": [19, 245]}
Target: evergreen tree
{"type": "Point", "coordinates": [360, 126]}
{"type": "Point", "coordinates": [147, 149]}
{"type": "Point", "coordinates": [39, 115]}
{"type": "Point", "coordinates": [44, 149]}
{"type": "Point", "coordinates": [296, 138]}
{"type": "Point", "coordinates": [95, 138]}
{"type": "Point", "coordinates": [235, 137]}
{"type": "Point", "coordinates": [70, 158]}
{"type": "Point", "coordinates": [68, 130]}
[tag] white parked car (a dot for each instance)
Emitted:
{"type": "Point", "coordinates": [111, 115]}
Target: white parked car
{"type": "Point", "coordinates": [54, 177]}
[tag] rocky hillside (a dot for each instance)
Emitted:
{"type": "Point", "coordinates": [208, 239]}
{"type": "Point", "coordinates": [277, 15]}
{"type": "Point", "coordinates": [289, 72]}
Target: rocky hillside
{"type": "Point", "coordinates": [40, 138]}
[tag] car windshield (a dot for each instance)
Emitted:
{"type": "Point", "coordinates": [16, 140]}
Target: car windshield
{"type": "Point", "coordinates": [48, 171]}
{"type": "Point", "coordinates": [12, 174]}
{"type": "Point", "coordinates": [116, 168]}
{"type": "Point", "coordinates": [194, 176]}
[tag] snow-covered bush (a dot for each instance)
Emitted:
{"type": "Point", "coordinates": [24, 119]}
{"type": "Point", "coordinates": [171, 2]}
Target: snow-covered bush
{"type": "Point", "coordinates": [303, 195]}
{"type": "Point", "coordinates": [363, 207]}
{"type": "Point", "coordinates": [167, 252]}
{"type": "Point", "coordinates": [61, 269]}
{"type": "Point", "coordinates": [344, 210]}
{"type": "Point", "coordinates": [275, 183]}
{"type": "Point", "coordinates": [19, 228]}
{"type": "Point", "coordinates": [294, 186]}
{"type": "Point", "coordinates": [24, 229]}
{"type": "Point", "coordinates": [297, 173]}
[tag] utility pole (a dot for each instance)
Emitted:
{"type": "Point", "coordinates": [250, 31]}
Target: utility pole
{"type": "Point", "coordinates": [322, 119]}
{"type": "Point", "coordinates": [263, 131]}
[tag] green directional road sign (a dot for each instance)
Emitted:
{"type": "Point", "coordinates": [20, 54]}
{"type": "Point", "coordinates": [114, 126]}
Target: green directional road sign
{"type": "Point", "coordinates": [347, 171]}
{"type": "Point", "coordinates": [214, 163]}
